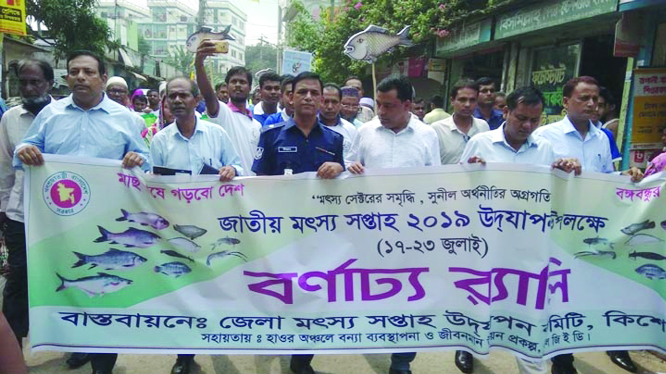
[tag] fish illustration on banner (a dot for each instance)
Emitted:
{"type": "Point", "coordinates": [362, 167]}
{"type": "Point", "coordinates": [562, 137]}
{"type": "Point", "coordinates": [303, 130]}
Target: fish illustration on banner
{"type": "Point", "coordinates": [374, 41]}
{"type": "Point", "coordinates": [204, 33]}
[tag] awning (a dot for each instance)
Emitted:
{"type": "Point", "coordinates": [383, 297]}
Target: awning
{"type": "Point", "coordinates": [126, 58]}
{"type": "Point", "coordinates": [139, 76]}
{"type": "Point", "coordinates": [626, 5]}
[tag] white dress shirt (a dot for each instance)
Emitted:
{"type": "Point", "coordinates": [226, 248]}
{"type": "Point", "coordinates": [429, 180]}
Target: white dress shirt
{"type": "Point", "coordinates": [243, 131]}
{"type": "Point", "coordinates": [378, 147]}
{"type": "Point", "coordinates": [492, 146]}
{"type": "Point", "coordinates": [13, 127]}
{"type": "Point", "coordinates": [348, 132]}
{"type": "Point", "coordinates": [208, 145]}
{"type": "Point", "coordinates": [593, 152]}
{"type": "Point", "coordinates": [452, 141]}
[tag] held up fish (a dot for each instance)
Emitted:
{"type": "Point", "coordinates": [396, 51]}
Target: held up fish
{"type": "Point", "coordinates": [190, 231]}
{"type": "Point", "coordinates": [374, 41]}
{"type": "Point", "coordinates": [647, 255]}
{"type": "Point", "coordinates": [651, 271]}
{"type": "Point", "coordinates": [185, 244]}
{"type": "Point", "coordinates": [95, 285]}
{"type": "Point", "coordinates": [171, 253]}
{"type": "Point", "coordinates": [226, 240]}
{"type": "Point", "coordinates": [145, 219]}
{"type": "Point", "coordinates": [113, 259]}
{"type": "Point", "coordinates": [173, 269]}
{"type": "Point", "coordinates": [204, 33]}
{"type": "Point", "coordinates": [129, 238]}
{"type": "Point", "coordinates": [636, 227]}
{"type": "Point", "coordinates": [220, 254]}
{"type": "Point", "coordinates": [640, 239]}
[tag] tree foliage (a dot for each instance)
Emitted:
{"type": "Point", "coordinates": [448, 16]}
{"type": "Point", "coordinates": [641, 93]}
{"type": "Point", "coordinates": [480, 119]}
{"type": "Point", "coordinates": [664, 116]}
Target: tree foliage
{"type": "Point", "coordinates": [429, 20]}
{"type": "Point", "coordinates": [71, 24]}
{"type": "Point", "coordinates": [260, 56]}
{"type": "Point", "coordinates": [181, 59]}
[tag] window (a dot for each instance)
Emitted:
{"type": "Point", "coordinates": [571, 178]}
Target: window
{"type": "Point", "coordinates": [159, 48]}
{"type": "Point", "coordinates": [233, 53]}
{"type": "Point", "coordinates": [159, 15]}
{"type": "Point", "coordinates": [240, 56]}
{"type": "Point", "coordinates": [160, 32]}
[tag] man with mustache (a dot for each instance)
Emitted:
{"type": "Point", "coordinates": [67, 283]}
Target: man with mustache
{"type": "Point", "coordinates": [85, 124]}
{"type": "Point", "coordinates": [35, 80]}
{"type": "Point", "coordinates": [234, 117]}
{"type": "Point", "coordinates": [269, 89]}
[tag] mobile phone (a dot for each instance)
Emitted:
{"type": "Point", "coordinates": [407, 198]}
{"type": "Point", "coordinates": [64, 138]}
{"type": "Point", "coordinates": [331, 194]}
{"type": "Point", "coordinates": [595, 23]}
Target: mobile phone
{"type": "Point", "coordinates": [221, 46]}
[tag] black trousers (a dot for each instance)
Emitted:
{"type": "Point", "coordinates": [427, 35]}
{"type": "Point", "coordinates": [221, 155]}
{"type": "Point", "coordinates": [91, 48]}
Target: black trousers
{"type": "Point", "coordinates": [15, 304]}
{"type": "Point", "coordinates": [564, 359]}
{"type": "Point", "coordinates": [103, 361]}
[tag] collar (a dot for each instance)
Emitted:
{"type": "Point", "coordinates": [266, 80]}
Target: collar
{"type": "Point", "coordinates": [495, 113]}
{"type": "Point", "coordinates": [497, 136]}
{"type": "Point", "coordinates": [452, 125]}
{"type": "Point", "coordinates": [235, 109]}
{"type": "Point", "coordinates": [338, 123]}
{"type": "Point", "coordinates": [106, 104]}
{"type": "Point", "coordinates": [292, 124]}
{"type": "Point", "coordinates": [198, 128]}
{"type": "Point", "coordinates": [257, 109]}
{"type": "Point", "coordinates": [569, 128]}
{"type": "Point", "coordinates": [409, 127]}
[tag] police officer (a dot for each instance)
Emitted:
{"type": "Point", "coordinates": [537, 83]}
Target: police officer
{"type": "Point", "coordinates": [302, 143]}
{"type": "Point", "coordinates": [299, 145]}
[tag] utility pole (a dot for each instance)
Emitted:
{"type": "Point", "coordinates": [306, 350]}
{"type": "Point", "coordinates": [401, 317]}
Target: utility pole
{"type": "Point", "coordinates": [278, 58]}
{"type": "Point", "coordinates": [261, 48]}
{"type": "Point", "coordinates": [201, 21]}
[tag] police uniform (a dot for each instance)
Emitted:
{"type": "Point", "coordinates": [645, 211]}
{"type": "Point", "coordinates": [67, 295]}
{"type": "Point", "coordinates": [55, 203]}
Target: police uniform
{"type": "Point", "coordinates": [284, 150]}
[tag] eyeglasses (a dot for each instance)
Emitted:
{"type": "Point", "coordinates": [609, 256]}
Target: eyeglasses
{"type": "Point", "coordinates": [347, 106]}
{"type": "Point", "coordinates": [116, 91]}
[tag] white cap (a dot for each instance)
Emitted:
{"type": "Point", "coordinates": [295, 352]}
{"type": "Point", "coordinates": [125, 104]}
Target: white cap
{"type": "Point", "coordinates": [116, 80]}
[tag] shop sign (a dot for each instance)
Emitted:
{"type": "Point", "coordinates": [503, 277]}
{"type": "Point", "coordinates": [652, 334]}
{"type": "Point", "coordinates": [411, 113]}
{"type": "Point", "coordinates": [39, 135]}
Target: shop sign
{"type": "Point", "coordinates": [628, 35]}
{"type": "Point", "coordinates": [552, 13]}
{"type": "Point", "coordinates": [12, 17]}
{"type": "Point", "coordinates": [649, 110]}
{"type": "Point", "coordinates": [552, 67]}
{"type": "Point", "coordinates": [466, 35]}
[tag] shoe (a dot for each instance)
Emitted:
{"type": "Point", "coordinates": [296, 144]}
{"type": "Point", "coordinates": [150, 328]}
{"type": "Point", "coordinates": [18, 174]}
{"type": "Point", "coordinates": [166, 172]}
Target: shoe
{"type": "Point", "coordinates": [298, 366]}
{"type": "Point", "coordinates": [394, 371]}
{"type": "Point", "coordinates": [623, 360]}
{"type": "Point", "coordinates": [183, 365]}
{"type": "Point", "coordinates": [101, 372]}
{"type": "Point", "coordinates": [76, 360]}
{"type": "Point", "coordinates": [465, 362]}
{"type": "Point", "coordinates": [563, 369]}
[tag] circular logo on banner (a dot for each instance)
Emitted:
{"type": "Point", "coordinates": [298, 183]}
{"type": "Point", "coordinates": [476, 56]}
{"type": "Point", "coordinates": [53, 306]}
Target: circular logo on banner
{"type": "Point", "coordinates": [66, 193]}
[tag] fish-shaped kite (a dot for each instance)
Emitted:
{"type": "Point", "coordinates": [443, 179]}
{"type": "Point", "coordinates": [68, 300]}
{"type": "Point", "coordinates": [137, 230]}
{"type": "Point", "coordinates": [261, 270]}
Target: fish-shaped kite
{"type": "Point", "coordinates": [374, 41]}
{"type": "Point", "coordinates": [204, 33]}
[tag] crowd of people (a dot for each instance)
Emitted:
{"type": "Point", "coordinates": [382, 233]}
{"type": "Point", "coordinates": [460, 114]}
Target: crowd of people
{"type": "Point", "coordinates": [327, 128]}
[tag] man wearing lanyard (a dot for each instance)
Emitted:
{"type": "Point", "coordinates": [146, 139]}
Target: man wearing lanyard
{"type": "Point", "coordinates": [454, 132]}
{"type": "Point", "coordinates": [85, 124]}
{"type": "Point", "coordinates": [394, 139]}
{"type": "Point", "coordinates": [300, 145]}
{"type": "Point", "coordinates": [576, 136]}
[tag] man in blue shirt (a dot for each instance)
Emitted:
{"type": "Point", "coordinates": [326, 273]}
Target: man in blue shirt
{"type": "Point", "coordinates": [269, 89]}
{"type": "Point", "coordinates": [303, 143]}
{"type": "Point", "coordinates": [576, 136]}
{"type": "Point", "coordinates": [193, 144]}
{"type": "Point", "coordinates": [85, 124]}
{"type": "Point", "coordinates": [286, 87]}
{"type": "Point", "coordinates": [485, 103]}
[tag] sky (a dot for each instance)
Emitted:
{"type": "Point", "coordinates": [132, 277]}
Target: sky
{"type": "Point", "coordinates": [261, 18]}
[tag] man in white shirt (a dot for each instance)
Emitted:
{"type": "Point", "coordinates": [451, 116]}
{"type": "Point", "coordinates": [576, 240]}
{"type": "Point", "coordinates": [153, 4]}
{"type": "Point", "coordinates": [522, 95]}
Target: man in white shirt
{"type": "Point", "coordinates": [116, 89]}
{"type": "Point", "coordinates": [35, 80]}
{"type": "Point", "coordinates": [234, 117]}
{"type": "Point", "coordinates": [513, 142]}
{"type": "Point", "coordinates": [394, 139]}
{"type": "Point", "coordinates": [454, 132]}
{"type": "Point", "coordinates": [329, 115]}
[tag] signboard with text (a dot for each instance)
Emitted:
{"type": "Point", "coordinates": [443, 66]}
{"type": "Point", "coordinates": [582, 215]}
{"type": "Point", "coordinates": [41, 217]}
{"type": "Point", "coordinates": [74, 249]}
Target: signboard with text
{"type": "Point", "coordinates": [552, 67]}
{"type": "Point", "coordinates": [12, 17]}
{"type": "Point", "coordinates": [649, 109]}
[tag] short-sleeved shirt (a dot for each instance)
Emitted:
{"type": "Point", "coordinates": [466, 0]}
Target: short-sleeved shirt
{"type": "Point", "coordinates": [378, 147]}
{"type": "Point", "coordinates": [492, 146]}
{"type": "Point", "coordinates": [283, 149]}
{"type": "Point", "coordinates": [593, 152]}
{"type": "Point", "coordinates": [241, 128]}
{"type": "Point", "coordinates": [496, 118]}
{"type": "Point", "coordinates": [209, 145]}
{"type": "Point", "coordinates": [452, 141]}
{"type": "Point", "coordinates": [348, 132]}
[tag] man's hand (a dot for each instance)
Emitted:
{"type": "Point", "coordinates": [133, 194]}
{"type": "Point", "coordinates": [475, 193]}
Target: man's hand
{"type": "Point", "coordinates": [31, 155]}
{"type": "Point", "coordinates": [227, 173]}
{"type": "Point", "coordinates": [635, 173]}
{"type": "Point", "coordinates": [205, 49]}
{"type": "Point", "coordinates": [568, 165]}
{"type": "Point", "coordinates": [329, 170]}
{"type": "Point", "coordinates": [356, 168]}
{"type": "Point", "coordinates": [476, 160]}
{"type": "Point", "coordinates": [131, 160]}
